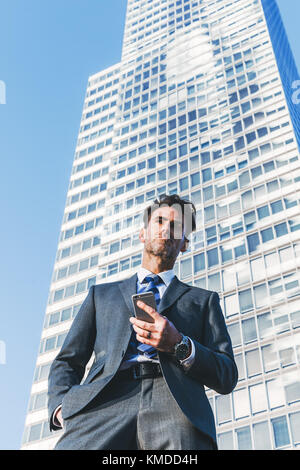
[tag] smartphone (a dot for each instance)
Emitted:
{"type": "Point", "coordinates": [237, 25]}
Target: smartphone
{"type": "Point", "coordinates": [149, 299]}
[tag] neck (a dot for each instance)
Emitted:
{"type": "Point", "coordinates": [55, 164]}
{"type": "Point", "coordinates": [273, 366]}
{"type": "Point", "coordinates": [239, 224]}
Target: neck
{"type": "Point", "coordinates": [157, 265]}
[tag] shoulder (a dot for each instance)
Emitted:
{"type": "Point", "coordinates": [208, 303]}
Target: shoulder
{"type": "Point", "coordinates": [106, 286]}
{"type": "Point", "coordinates": [109, 286]}
{"type": "Point", "coordinates": [200, 292]}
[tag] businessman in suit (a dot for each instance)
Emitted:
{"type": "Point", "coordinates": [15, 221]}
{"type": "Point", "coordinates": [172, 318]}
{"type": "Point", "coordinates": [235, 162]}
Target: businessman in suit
{"type": "Point", "coordinates": [145, 389]}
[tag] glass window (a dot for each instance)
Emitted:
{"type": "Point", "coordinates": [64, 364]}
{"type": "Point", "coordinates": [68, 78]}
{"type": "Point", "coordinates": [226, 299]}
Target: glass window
{"type": "Point", "coordinates": [50, 343]}
{"type": "Point", "coordinates": [263, 212]}
{"type": "Point", "coordinates": [60, 340]}
{"type": "Point", "coordinates": [206, 175]}
{"type": "Point", "coordinates": [199, 262]}
{"type": "Point", "coordinates": [253, 242]}
{"type": "Point", "coordinates": [244, 438]}
{"type": "Point", "coordinates": [241, 403]}
{"type": "Point", "coordinates": [124, 264]}
{"type": "Point", "coordinates": [195, 179]}
{"type": "Point", "coordinates": [258, 398]}
{"type": "Point", "coordinates": [223, 408]}
{"type": "Point", "coordinates": [54, 318]}
{"type": "Point", "coordinates": [257, 269]}
{"type": "Point", "coordinates": [280, 430]}
{"type": "Point", "coordinates": [291, 284]}
{"type": "Point", "coordinates": [260, 295]}
{"type": "Point", "coordinates": [275, 393]}
{"type": "Point", "coordinates": [208, 193]}
{"type": "Point", "coordinates": [295, 426]}
{"type": "Point", "coordinates": [186, 267]}
{"type": "Point", "coordinates": [231, 305]}
{"type": "Point", "coordinates": [226, 253]}
{"type": "Point", "coordinates": [235, 334]}
{"type": "Point", "coordinates": [267, 235]}
{"type": "Point", "coordinates": [240, 365]}
{"type": "Point", "coordinates": [69, 291]}
{"type": "Point", "coordinates": [265, 326]}
{"type": "Point", "coordinates": [66, 314]}
{"type": "Point", "coordinates": [240, 249]}
{"type": "Point", "coordinates": [212, 257]}
{"type": "Point", "coordinates": [276, 207]}
{"type": "Point", "coordinates": [184, 183]}
{"type": "Point", "coordinates": [245, 299]}
{"type": "Point", "coordinates": [214, 282]}
{"type": "Point", "coordinates": [281, 229]}
{"type": "Point", "coordinates": [80, 287]}
{"type": "Point", "coordinates": [225, 441]}
{"type": "Point", "coordinates": [272, 186]}
{"type": "Point", "coordinates": [249, 330]}
{"type": "Point", "coordinates": [172, 171]}
{"type": "Point", "coordinates": [261, 436]}
{"type": "Point", "coordinates": [259, 192]}
{"type": "Point", "coordinates": [253, 362]}
{"type": "Point", "coordinates": [182, 150]}
{"type": "Point", "coordinates": [196, 198]}
{"type": "Point", "coordinates": [184, 165]}
{"type": "Point", "coordinates": [209, 213]}
{"type": "Point", "coordinates": [287, 357]}
{"type": "Point", "coordinates": [58, 295]}
{"type": "Point", "coordinates": [270, 359]}
{"type": "Point", "coordinates": [84, 264]}
{"type": "Point", "coordinates": [292, 390]}
{"type": "Point", "coordinates": [35, 432]}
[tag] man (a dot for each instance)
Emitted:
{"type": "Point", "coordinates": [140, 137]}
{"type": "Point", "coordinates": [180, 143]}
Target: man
{"type": "Point", "coordinates": [145, 389]}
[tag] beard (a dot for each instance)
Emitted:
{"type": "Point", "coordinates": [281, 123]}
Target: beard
{"type": "Point", "coordinates": [162, 248]}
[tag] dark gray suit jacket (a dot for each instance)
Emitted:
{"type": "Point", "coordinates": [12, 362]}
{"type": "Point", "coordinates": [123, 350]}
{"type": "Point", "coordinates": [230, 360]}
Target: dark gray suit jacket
{"type": "Point", "coordinates": [102, 326]}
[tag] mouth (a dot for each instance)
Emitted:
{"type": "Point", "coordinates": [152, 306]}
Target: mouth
{"type": "Point", "coordinates": [166, 240]}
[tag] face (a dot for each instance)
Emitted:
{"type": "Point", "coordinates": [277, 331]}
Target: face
{"type": "Point", "coordinates": [164, 235]}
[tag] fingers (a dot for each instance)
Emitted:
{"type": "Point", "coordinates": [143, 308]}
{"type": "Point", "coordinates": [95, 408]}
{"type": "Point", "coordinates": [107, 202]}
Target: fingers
{"type": "Point", "coordinates": [144, 333]}
{"type": "Point", "coordinates": [143, 340]}
{"type": "Point", "coordinates": [59, 417]}
{"type": "Point", "coordinates": [143, 324]}
{"type": "Point", "coordinates": [148, 309]}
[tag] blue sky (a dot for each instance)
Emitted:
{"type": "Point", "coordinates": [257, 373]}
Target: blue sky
{"type": "Point", "coordinates": [48, 49]}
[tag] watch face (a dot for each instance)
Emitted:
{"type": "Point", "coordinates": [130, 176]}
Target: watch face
{"type": "Point", "coordinates": [182, 351]}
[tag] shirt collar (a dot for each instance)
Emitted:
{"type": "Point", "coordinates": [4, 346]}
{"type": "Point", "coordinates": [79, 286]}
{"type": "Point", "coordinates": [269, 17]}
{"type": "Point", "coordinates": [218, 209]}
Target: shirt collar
{"type": "Point", "coordinates": [166, 276]}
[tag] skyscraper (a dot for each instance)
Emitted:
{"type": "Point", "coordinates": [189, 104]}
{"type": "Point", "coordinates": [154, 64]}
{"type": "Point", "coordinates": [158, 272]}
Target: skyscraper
{"type": "Point", "coordinates": [200, 104]}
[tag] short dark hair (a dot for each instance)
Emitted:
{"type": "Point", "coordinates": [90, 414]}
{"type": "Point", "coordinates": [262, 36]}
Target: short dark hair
{"type": "Point", "coordinates": [188, 209]}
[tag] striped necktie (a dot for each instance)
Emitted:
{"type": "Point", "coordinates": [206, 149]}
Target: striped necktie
{"type": "Point", "coordinates": [152, 282]}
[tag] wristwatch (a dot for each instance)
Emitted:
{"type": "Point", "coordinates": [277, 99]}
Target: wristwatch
{"type": "Point", "coordinates": [181, 349]}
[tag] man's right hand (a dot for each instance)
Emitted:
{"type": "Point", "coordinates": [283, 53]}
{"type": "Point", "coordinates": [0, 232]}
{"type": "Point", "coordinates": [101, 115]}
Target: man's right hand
{"type": "Point", "coordinates": [58, 417]}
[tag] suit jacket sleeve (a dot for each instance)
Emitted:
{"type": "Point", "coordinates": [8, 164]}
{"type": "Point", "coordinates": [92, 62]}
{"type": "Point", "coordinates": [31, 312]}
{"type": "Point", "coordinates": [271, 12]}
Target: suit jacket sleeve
{"type": "Point", "coordinates": [68, 367]}
{"type": "Point", "coordinates": [214, 364]}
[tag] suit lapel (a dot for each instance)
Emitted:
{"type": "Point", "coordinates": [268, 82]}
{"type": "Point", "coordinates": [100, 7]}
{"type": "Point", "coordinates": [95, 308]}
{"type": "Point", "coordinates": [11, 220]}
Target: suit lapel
{"type": "Point", "coordinates": [128, 288]}
{"type": "Point", "coordinates": [174, 290]}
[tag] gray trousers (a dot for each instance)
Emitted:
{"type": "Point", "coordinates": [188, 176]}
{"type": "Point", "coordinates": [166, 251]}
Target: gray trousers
{"type": "Point", "coordinates": [133, 415]}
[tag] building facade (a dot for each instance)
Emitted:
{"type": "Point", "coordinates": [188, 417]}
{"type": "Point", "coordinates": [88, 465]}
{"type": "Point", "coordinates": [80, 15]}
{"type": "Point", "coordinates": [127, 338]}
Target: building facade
{"type": "Point", "coordinates": [201, 104]}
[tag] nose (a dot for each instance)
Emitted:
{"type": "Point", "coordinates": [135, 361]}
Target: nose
{"type": "Point", "coordinates": [165, 232]}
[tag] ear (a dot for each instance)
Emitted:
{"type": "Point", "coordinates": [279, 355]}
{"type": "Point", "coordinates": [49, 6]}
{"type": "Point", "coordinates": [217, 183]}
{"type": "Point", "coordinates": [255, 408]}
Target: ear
{"type": "Point", "coordinates": [142, 235]}
{"type": "Point", "coordinates": [185, 245]}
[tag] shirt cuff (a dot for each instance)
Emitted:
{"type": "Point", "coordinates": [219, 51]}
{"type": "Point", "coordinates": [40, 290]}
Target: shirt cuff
{"type": "Point", "coordinates": [54, 419]}
{"type": "Point", "coordinates": [188, 361]}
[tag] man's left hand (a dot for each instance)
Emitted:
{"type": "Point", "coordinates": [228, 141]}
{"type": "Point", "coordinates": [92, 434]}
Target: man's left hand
{"type": "Point", "coordinates": [161, 334]}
